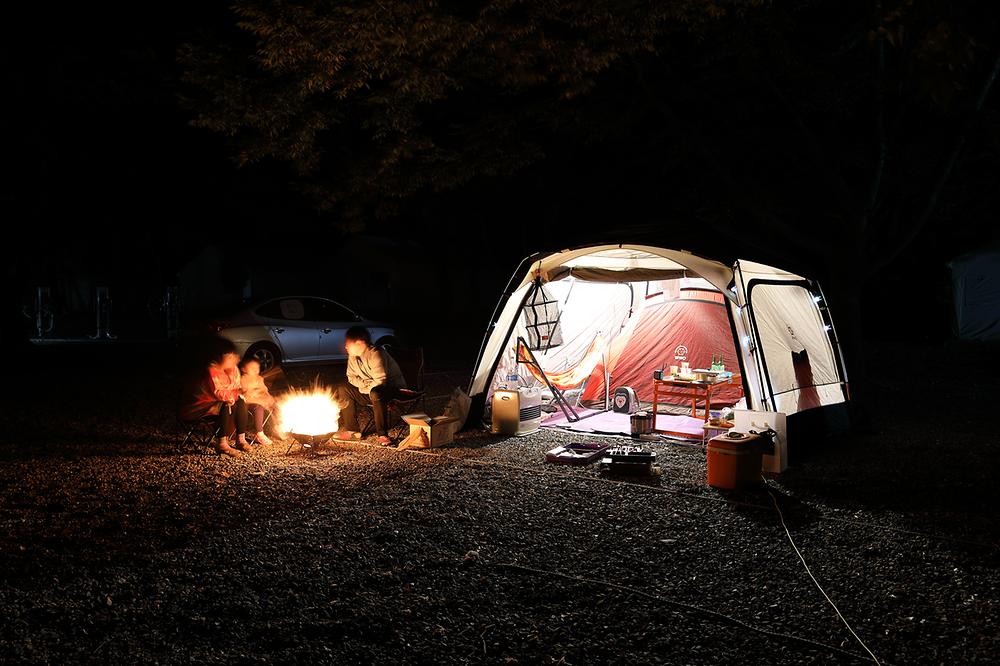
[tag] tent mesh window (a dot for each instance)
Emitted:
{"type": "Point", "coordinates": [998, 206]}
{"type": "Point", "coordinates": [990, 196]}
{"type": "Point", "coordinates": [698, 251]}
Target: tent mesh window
{"type": "Point", "coordinates": [542, 313]}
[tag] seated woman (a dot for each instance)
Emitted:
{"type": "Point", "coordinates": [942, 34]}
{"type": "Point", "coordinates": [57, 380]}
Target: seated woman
{"type": "Point", "coordinates": [218, 392]}
{"type": "Point", "coordinates": [258, 399]}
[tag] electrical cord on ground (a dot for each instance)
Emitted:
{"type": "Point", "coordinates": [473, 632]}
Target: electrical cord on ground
{"type": "Point", "coordinates": [691, 607]}
{"type": "Point", "coordinates": [681, 606]}
{"type": "Point", "coordinates": [816, 582]}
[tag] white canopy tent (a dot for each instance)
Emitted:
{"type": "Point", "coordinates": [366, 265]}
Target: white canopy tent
{"type": "Point", "coordinates": [788, 354]}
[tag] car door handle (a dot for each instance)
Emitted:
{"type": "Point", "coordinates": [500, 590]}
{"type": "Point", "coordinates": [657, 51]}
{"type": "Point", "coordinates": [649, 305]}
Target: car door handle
{"type": "Point", "coordinates": [279, 330]}
{"type": "Point", "coordinates": [327, 330]}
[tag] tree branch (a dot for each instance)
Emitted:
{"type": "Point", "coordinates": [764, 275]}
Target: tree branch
{"type": "Point", "coordinates": [739, 193]}
{"type": "Point", "coordinates": [820, 157]}
{"type": "Point", "coordinates": [949, 167]}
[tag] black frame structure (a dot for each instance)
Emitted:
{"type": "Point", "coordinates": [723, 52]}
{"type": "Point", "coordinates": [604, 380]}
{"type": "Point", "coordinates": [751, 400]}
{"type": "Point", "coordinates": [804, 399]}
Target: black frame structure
{"type": "Point", "coordinates": [556, 393]}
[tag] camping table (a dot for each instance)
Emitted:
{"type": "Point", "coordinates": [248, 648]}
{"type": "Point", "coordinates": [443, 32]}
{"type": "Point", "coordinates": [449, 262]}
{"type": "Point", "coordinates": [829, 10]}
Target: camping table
{"type": "Point", "coordinates": [708, 431]}
{"type": "Point", "coordinates": [692, 389]}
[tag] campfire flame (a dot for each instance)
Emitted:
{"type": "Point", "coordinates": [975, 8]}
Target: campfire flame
{"type": "Point", "coordinates": [312, 412]}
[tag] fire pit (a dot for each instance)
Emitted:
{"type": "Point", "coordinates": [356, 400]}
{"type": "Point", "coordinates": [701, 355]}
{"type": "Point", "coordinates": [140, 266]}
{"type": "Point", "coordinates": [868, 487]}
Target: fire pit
{"type": "Point", "coordinates": [311, 440]}
{"type": "Point", "coordinates": [309, 417]}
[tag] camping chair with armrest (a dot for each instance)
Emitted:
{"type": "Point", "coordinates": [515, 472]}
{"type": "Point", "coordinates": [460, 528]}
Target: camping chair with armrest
{"type": "Point", "coordinates": [199, 432]}
{"type": "Point", "coordinates": [411, 363]}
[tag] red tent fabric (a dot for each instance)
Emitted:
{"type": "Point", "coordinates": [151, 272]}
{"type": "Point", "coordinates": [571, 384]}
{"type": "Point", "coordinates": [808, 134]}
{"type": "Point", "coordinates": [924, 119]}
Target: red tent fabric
{"type": "Point", "coordinates": [688, 329]}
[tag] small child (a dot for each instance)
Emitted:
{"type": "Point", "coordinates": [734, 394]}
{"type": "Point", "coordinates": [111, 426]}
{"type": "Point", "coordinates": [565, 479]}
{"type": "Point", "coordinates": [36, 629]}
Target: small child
{"type": "Point", "coordinates": [259, 400]}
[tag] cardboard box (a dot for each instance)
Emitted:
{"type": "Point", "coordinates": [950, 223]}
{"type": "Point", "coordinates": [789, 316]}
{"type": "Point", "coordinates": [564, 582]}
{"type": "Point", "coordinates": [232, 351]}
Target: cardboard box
{"type": "Point", "coordinates": [429, 431]}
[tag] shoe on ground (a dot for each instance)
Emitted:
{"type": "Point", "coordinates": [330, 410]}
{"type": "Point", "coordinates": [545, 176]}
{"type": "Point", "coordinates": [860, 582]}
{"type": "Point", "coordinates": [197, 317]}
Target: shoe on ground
{"type": "Point", "coordinates": [263, 439]}
{"type": "Point", "coordinates": [242, 444]}
{"type": "Point", "coordinates": [223, 448]}
{"type": "Point", "coordinates": [384, 441]}
{"type": "Point", "coordinates": [347, 436]}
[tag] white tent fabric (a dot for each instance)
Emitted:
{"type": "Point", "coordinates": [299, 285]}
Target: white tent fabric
{"type": "Point", "coordinates": [629, 257]}
{"type": "Point", "coordinates": [789, 324]}
{"type": "Point", "coordinates": [788, 320]}
{"type": "Point", "coordinates": [787, 358]}
{"type": "Point", "coordinates": [588, 309]}
{"type": "Point", "coordinates": [614, 257]}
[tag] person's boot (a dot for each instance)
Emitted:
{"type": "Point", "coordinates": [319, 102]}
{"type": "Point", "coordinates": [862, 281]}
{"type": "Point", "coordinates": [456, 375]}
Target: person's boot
{"type": "Point", "coordinates": [222, 446]}
{"type": "Point", "coordinates": [263, 439]}
{"type": "Point", "coordinates": [242, 444]}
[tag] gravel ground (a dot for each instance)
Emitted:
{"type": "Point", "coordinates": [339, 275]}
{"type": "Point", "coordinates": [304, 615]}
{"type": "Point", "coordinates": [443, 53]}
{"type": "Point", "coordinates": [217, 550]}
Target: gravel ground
{"type": "Point", "coordinates": [118, 547]}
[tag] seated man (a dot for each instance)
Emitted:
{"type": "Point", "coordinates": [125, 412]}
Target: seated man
{"type": "Point", "coordinates": [374, 378]}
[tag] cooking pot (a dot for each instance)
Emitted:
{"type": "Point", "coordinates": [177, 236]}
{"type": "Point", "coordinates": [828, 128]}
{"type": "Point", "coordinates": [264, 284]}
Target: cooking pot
{"type": "Point", "coordinates": [642, 423]}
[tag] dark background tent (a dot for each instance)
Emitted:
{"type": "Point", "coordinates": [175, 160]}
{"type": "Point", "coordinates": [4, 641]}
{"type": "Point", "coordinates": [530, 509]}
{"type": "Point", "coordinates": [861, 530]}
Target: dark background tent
{"type": "Point", "coordinates": [975, 278]}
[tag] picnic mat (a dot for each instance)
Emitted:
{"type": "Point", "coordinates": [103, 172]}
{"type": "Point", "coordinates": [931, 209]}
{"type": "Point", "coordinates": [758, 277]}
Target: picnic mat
{"type": "Point", "coordinates": [616, 423]}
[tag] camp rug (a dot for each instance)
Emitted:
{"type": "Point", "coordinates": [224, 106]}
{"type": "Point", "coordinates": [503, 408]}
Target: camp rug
{"type": "Point", "coordinates": [617, 423]}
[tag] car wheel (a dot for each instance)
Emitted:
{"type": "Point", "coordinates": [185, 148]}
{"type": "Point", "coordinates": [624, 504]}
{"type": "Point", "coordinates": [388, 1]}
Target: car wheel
{"type": "Point", "coordinates": [265, 354]}
{"type": "Point", "coordinates": [386, 341]}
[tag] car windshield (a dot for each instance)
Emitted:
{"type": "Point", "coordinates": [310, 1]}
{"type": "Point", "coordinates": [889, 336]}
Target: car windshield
{"type": "Point", "coordinates": [305, 309]}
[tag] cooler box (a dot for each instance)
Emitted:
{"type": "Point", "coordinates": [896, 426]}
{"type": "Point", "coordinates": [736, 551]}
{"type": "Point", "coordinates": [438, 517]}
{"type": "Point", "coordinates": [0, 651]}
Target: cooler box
{"type": "Point", "coordinates": [733, 464]}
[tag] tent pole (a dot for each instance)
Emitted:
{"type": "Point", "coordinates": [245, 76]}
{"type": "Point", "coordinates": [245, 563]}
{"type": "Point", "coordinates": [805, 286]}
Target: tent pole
{"type": "Point", "coordinates": [607, 380]}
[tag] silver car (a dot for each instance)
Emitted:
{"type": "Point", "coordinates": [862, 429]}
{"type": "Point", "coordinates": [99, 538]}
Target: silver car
{"type": "Point", "coordinates": [296, 329]}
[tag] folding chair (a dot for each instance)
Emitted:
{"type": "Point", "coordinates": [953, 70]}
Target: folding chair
{"type": "Point", "coordinates": [201, 432]}
{"type": "Point", "coordinates": [411, 363]}
{"type": "Point", "coordinates": [252, 437]}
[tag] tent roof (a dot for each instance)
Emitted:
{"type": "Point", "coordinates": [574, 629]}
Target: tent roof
{"type": "Point", "coordinates": [626, 263]}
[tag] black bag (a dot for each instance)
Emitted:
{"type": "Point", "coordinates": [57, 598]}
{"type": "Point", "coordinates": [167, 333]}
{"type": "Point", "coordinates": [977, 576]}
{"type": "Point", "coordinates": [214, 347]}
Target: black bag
{"type": "Point", "coordinates": [766, 438]}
